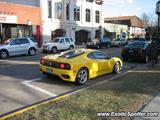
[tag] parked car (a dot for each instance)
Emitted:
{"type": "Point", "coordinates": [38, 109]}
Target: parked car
{"type": "Point", "coordinates": [59, 43]}
{"type": "Point", "coordinates": [140, 50]}
{"type": "Point", "coordinates": [118, 42]}
{"type": "Point", "coordinates": [18, 46]}
{"type": "Point", "coordinates": [138, 39]}
{"type": "Point", "coordinates": [79, 65]}
{"type": "Point", "coordinates": [99, 43]}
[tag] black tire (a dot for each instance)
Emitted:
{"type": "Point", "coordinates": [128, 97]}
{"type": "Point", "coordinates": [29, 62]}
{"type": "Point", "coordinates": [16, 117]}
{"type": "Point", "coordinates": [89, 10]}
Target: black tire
{"type": "Point", "coordinates": [97, 46]}
{"type": "Point", "coordinates": [146, 59]}
{"type": "Point", "coordinates": [3, 54]}
{"type": "Point", "coordinates": [54, 50]}
{"type": "Point", "coordinates": [32, 51]}
{"type": "Point", "coordinates": [71, 47]}
{"type": "Point", "coordinates": [116, 68]}
{"type": "Point", "coordinates": [82, 76]}
{"type": "Point", "coordinates": [108, 46]}
{"type": "Point", "coordinates": [119, 45]}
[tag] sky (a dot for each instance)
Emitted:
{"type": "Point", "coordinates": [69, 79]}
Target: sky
{"type": "Point", "coordinates": [129, 7]}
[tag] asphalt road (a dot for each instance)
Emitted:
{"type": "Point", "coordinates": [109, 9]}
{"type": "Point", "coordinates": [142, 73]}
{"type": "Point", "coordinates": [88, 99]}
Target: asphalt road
{"type": "Point", "coordinates": [22, 84]}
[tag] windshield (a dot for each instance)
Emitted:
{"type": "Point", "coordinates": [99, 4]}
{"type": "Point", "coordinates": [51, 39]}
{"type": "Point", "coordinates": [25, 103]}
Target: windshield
{"type": "Point", "coordinates": [72, 54]}
{"type": "Point", "coordinates": [136, 44]}
{"type": "Point", "coordinates": [8, 41]}
{"type": "Point", "coordinates": [55, 40]}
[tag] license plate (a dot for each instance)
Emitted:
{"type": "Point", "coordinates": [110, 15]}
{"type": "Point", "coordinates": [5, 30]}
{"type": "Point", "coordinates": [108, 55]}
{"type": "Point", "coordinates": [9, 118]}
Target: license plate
{"type": "Point", "coordinates": [49, 71]}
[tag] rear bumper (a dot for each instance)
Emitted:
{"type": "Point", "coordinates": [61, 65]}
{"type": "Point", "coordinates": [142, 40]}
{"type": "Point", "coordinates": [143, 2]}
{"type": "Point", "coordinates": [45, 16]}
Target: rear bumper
{"type": "Point", "coordinates": [134, 57]}
{"type": "Point", "coordinates": [66, 75]}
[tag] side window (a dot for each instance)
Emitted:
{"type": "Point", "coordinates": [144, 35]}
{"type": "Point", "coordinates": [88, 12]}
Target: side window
{"type": "Point", "coordinates": [61, 41]}
{"type": "Point", "coordinates": [24, 41]}
{"type": "Point", "coordinates": [67, 40]}
{"type": "Point", "coordinates": [71, 39]}
{"type": "Point", "coordinates": [91, 56]}
{"type": "Point", "coordinates": [15, 42]}
{"type": "Point", "coordinates": [99, 55]}
{"type": "Point", "coordinates": [33, 39]}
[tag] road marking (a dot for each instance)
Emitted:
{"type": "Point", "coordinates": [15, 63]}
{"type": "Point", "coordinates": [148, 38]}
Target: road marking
{"type": "Point", "coordinates": [147, 71]}
{"type": "Point", "coordinates": [18, 62]}
{"type": "Point", "coordinates": [27, 83]}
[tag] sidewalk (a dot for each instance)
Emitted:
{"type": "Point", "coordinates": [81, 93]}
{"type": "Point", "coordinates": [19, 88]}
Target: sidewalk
{"type": "Point", "coordinates": [154, 106]}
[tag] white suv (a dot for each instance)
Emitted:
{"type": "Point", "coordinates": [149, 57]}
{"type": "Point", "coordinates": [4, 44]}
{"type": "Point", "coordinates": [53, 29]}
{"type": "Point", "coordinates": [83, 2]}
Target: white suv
{"type": "Point", "coordinates": [59, 43]}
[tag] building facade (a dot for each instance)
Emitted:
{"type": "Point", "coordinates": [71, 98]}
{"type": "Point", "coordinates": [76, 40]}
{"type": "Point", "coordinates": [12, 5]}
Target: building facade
{"type": "Point", "coordinates": [115, 31]}
{"type": "Point", "coordinates": [135, 25]}
{"type": "Point", "coordinates": [80, 19]}
{"type": "Point", "coordinates": [20, 18]}
{"type": "Point", "coordinates": [45, 19]}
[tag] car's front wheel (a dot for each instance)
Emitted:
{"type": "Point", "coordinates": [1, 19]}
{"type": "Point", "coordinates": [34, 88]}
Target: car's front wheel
{"type": "Point", "coordinates": [3, 54]}
{"type": "Point", "coordinates": [116, 68]}
{"type": "Point", "coordinates": [54, 50]}
{"type": "Point", "coordinates": [82, 76]}
{"type": "Point", "coordinates": [32, 51]}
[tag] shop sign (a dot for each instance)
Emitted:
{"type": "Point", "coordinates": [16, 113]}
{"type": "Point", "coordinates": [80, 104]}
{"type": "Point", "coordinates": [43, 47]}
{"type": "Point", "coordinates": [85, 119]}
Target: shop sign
{"type": "Point", "coordinates": [8, 19]}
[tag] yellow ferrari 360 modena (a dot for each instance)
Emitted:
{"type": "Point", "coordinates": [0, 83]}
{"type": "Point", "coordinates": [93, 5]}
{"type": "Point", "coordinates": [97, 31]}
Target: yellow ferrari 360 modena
{"type": "Point", "coordinates": [79, 65]}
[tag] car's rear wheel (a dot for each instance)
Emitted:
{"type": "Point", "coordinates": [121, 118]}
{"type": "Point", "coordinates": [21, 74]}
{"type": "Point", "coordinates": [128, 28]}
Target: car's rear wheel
{"type": "Point", "coordinates": [146, 59]}
{"type": "Point", "coordinates": [54, 50]}
{"type": "Point", "coordinates": [108, 46]}
{"type": "Point", "coordinates": [3, 54]}
{"type": "Point", "coordinates": [116, 68]}
{"type": "Point", "coordinates": [82, 76]}
{"type": "Point", "coordinates": [97, 46]}
{"type": "Point", "coordinates": [32, 51]}
{"type": "Point", "coordinates": [71, 47]}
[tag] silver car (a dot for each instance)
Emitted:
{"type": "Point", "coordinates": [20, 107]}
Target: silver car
{"type": "Point", "coordinates": [18, 46]}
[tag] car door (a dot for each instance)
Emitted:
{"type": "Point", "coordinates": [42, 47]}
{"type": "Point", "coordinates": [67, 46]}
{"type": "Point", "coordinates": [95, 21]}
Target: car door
{"type": "Point", "coordinates": [14, 47]}
{"type": "Point", "coordinates": [61, 44]}
{"type": "Point", "coordinates": [104, 64]}
{"type": "Point", "coordinates": [67, 43]}
{"type": "Point", "coordinates": [24, 44]}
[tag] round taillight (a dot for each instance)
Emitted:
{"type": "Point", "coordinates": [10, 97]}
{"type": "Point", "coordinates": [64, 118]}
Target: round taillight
{"type": "Point", "coordinates": [62, 66]}
{"type": "Point", "coordinates": [42, 61]}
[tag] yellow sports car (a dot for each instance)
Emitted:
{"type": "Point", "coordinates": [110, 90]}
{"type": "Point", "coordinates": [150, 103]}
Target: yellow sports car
{"type": "Point", "coordinates": [79, 65]}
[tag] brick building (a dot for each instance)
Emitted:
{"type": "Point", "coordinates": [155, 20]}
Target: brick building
{"type": "Point", "coordinates": [19, 18]}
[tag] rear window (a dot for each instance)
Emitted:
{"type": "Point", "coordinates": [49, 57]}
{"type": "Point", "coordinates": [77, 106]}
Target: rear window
{"type": "Point", "coordinates": [136, 44]}
{"type": "Point", "coordinates": [72, 54]}
{"type": "Point", "coordinates": [33, 39]}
